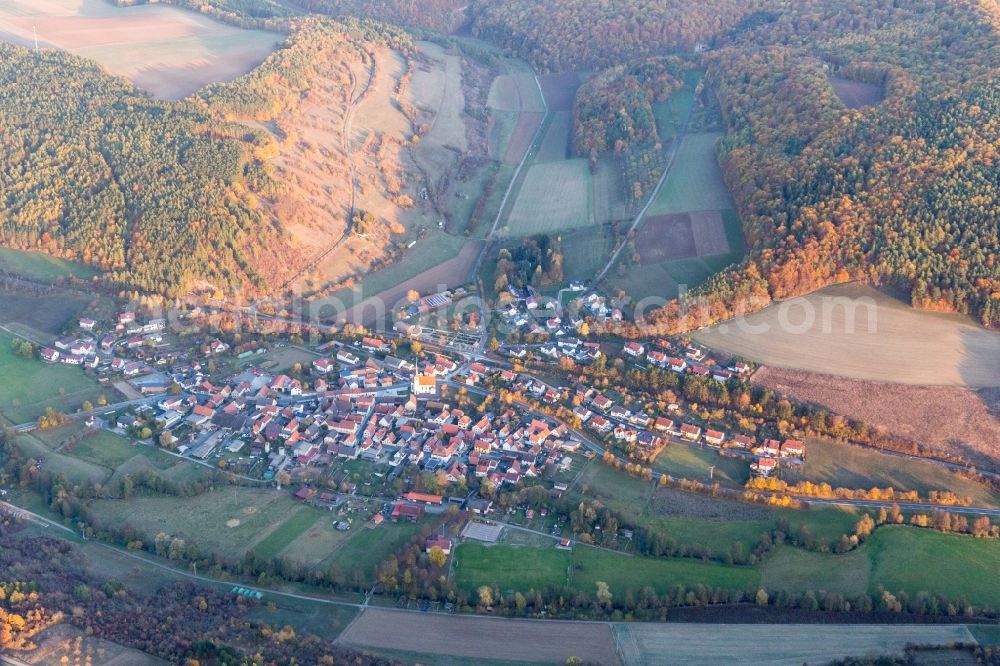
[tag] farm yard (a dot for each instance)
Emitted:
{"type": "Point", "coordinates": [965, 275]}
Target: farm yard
{"type": "Point", "coordinates": [501, 639]}
{"type": "Point", "coordinates": [855, 94]}
{"type": "Point", "coordinates": [858, 332]}
{"type": "Point", "coordinates": [954, 420]}
{"type": "Point", "coordinates": [775, 644]}
{"type": "Point", "coordinates": [167, 51]}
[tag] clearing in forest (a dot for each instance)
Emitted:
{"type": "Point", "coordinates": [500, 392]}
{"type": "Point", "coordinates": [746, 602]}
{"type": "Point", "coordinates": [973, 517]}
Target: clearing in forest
{"type": "Point", "coordinates": [168, 51]}
{"type": "Point", "coordinates": [855, 94]}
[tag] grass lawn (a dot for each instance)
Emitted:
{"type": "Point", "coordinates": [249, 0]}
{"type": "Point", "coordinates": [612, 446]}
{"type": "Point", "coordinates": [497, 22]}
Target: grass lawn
{"type": "Point", "coordinates": [553, 197]}
{"type": "Point", "coordinates": [843, 465]}
{"type": "Point", "coordinates": [617, 490]}
{"type": "Point", "coordinates": [29, 386]}
{"type": "Point", "coordinates": [41, 267]}
{"type": "Point", "coordinates": [314, 544]}
{"type": "Point", "coordinates": [623, 573]}
{"type": "Point", "coordinates": [717, 536]}
{"type": "Point", "coordinates": [510, 567]}
{"type": "Point", "coordinates": [914, 560]}
{"type": "Point", "coordinates": [286, 533]}
{"type": "Point", "coordinates": [797, 570]}
{"type": "Point", "coordinates": [684, 462]}
{"type": "Point", "coordinates": [695, 182]}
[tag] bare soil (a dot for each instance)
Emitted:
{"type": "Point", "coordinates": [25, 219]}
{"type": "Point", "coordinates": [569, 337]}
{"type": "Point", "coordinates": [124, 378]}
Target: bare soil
{"type": "Point", "coordinates": [709, 233]}
{"type": "Point", "coordinates": [955, 420]}
{"type": "Point", "coordinates": [478, 637]}
{"type": "Point", "coordinates": [665, 238]}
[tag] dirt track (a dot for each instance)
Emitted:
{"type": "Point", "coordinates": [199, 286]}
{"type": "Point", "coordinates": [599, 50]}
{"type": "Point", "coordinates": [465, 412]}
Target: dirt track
{"type": "Point", "coordinates": [483, 637]}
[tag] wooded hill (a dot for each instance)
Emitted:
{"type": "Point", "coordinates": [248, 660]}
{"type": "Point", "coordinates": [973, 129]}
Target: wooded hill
{"type": "Point", "coordinates": [155, 194]}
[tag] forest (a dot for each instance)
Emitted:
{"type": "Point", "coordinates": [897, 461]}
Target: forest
{"type": "Point", "coordinates": [154, 194]}
{"type": "Point", "coordinates": [614, 109]}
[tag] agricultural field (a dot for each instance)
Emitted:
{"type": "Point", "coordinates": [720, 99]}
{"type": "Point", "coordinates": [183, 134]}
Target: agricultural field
{"type": "Point", "coordinates": [555, 144]}
{"type": "Point", "coordinates": [367, 548]}
{"type": "Point", "coordinates": [510, 567]}
{"type": "Point", "coordinates": [287, 533]}
{"type": "Point", "coordinates": [167, 51]}
{"type": "Point", "coordinates": [76, 470]}
{"type": "Point", "coordinates": [502, 639]}
{"type": "Point", "coordinates": [775, 644]}
{"type": "Point", "coordinates": [30, 386]}
{"type": "Point", "coordinates": [112, 451]}
{"type": "Point", "coordinates": [317, 539]}
{"type": "Point", "coordinates": [846, 466]}
{"type": "Point", "coordinates": [554, 196]}
{"type": "Point", "coordinates": [559, 90]}
{"type": "Point", "coordinates": [516, 91]}
{"type": "Point", "coordinates": [858, 332]}
{"type": "Point", "coordinates": [955, 420]}
{"type": "Point", "coordinates": [41, 317]}
{"type": "Point", "coordinates": [695, 183]}
{"type": "Point", "coordinates": [855, 94]}
{"type": "Point", "coordinates": [666, 279]}
{"type": "Point", "coordinates": [585, 251]}
{"type": "Point", "coordinates": [797, 570]}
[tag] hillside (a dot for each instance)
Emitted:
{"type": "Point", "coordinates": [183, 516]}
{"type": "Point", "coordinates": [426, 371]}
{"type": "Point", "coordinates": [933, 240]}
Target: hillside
{"type": "Point", "coordinates": [157, 195]}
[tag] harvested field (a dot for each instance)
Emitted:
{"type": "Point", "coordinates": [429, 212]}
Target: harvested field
{"type": "Point", "coordinates": [955, 420]}
{"type": "Point", "coordinates": [774, 644]}
{"type": "Point", "coordinates": [709, 233]}
{"type": "Point", "coordinates": [524, 132]}
{"type": "Point", "coordinates": [856, 95]}
{"type": "Point", "coordinates": [664, 238]}
{"type": "Point", "coordinates": [553, 197]}
{"type": "Point", "coordinates": [513, 640]}
{"type": "Point", "coordinates": [448, 274]}
{"type": "Point", "coordinates": [855, 331]}
{"type": "Point", "coordinates": [560, 90]}
{"type": "Point", "coordinates": [168, 51]}
{"type": "Point", "coordinates": [555, 142]}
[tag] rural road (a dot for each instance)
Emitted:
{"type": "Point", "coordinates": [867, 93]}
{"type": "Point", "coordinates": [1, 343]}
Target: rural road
{"type": "Point", "coordinates": [674, 149]}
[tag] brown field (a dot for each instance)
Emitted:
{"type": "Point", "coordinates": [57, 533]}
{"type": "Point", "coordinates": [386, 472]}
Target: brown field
{"type": "Point", "coordinates": [448, 274]}
{"type": "Point", "coordinates": [951, 419]}
{"type": "Point", "coordinates": [664, 238]}
{"type": "Point", "coordinates": [774, 644]}
{"type": "Point", "coordinates": [560, 90]}
{"type": "Point", "coordinates": [479, 637]}
{"type": "Point", "coordinates": [524, 132]}
{"type": "Point", "coordinates": [709, 233]}
{"type": "Point", "coordinates": [854, 94]}
{"type": "Point", "coordinates": [165, 50]}
{"type": "Point", "coordinates": [858, 332]}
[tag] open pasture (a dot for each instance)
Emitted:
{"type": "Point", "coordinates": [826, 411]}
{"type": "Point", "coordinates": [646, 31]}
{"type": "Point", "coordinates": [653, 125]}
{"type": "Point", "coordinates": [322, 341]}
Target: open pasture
{"type": "Point", "coordinates": [30, 386]}
{"type": "Point", "coordinates": [500, 638]}
{"type": "Point", "coordinates": [684, 462]}
{"type": "Point", "coordinates": [554, 196]}
{"type": "Point", "coordinates": [695, 181]}
{"type": "Point", "coordinates": [846, 466]}
{"type": "Point", "coordinates": [855, 94]}
{"type": "Point", "coordinates": [41, 267]}
{"type": "Point", "coordinates": [226, 521]}
{"type": "Point", "coordinates": [40, 317]}
{"type": "Point", "coordinates": [585, 251]}
{"type": "Point", "coordinates": [510, 568]}
{"type": "Point", "coordinates": [774, 644]}
{"type": "Point", "coordinates": [857, 332]}
{"type": "Point", "coordinates": [559, 90]}
{"type": "Point", "coordinates": [168, 51]}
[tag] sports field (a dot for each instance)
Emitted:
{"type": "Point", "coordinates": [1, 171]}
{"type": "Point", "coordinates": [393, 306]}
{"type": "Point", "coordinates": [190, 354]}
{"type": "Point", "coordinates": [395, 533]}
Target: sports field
{"type": "Point", "coordinates": [554, 196]}
{"type": "Point", "coordinates": [165, 50]}
{"type": "Point", "coordinates": [774, 644]}
{"type": "Point", "coordinates": [695, 181]}
{"type": "Point", "coordinates": [858, 332]}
